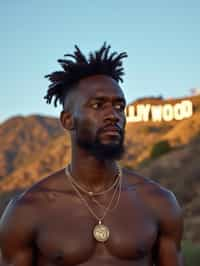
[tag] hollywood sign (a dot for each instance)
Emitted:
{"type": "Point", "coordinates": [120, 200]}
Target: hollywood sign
{"type": "Point", "coordinates": [158, 113]}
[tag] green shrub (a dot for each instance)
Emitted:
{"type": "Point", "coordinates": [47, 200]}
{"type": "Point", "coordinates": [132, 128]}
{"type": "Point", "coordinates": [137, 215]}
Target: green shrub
{"type": "Point", "coordinates": [191, 253]}
{"type": "Point", "coordinates": [160, 148]}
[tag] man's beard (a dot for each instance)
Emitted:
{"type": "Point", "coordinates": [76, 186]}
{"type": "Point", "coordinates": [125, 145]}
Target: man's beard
{"type": "Point", "coordinates": [110, 151]}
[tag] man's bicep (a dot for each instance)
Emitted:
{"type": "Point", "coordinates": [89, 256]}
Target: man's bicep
{"type": "Point", "coordinates": [15, 238]}
{"type": "Point", "coordinates": [168, 252]}
{"type": "Point", "coordinates": [170, 233]}
{"type": "Point", "coordinates": [22, 257]}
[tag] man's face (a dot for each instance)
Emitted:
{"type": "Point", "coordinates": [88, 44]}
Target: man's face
{"type": "Point", "coordinates": [99, 118]}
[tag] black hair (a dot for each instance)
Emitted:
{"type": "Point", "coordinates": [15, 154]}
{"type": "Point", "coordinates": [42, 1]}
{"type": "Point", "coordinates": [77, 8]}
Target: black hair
{"type": "Point", "coordinates": [79, 67]}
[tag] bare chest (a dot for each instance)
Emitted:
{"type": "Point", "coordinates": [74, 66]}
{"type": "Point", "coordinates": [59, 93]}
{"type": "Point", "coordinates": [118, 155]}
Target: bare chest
{"type": "Point", "coordinates": [65, 234]}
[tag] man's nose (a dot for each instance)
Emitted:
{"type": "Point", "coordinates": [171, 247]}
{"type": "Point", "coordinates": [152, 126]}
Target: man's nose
{"type": "Point", "coordinates": [111, 114]}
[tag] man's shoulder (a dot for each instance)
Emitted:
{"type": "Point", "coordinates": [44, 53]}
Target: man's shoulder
{"type": "Point", "coordinates": [49, 183]}
{"type": "Point", "coordinates": [160, 199]}
{"type": "Point", "coordinates": [18, 219]}
{"type": "Point", "coordinates": [19, 209]}
{"type": "Point", "coordinates": [144, 184]}
{"type": "Point", "coordinates": [29, 202]}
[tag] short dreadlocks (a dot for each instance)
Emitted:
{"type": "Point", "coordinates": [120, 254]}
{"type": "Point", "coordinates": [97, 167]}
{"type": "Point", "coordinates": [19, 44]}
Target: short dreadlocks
{"type": "Point", "coordinates": [99, 62]}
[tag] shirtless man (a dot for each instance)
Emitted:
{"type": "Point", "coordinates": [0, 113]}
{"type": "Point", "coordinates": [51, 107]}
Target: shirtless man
{"type": "Point", "coordinates": [92, 212]}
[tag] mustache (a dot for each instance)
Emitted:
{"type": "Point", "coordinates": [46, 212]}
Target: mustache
{"type": "Point", "coordinates": [111, 126]}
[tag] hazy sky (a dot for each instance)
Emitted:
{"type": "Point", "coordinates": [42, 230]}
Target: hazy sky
{"type": "Point", "coordinates": [162, 39]}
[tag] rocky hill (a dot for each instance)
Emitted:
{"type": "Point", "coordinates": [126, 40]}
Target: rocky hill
{"type": "Point", "coordinates": [21, 138]}
{"type": "Point", "coordinates": [34, 146]}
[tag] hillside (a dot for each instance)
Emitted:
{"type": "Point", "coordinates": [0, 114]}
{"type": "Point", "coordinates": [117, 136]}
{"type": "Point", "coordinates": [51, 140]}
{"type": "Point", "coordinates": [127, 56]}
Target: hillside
{"type": "Point", "coordinates": [34, 146]}
{"type": "Point", "coordinates": [21, 138]}
{"type": "Point", "coordinates": [179, 171]}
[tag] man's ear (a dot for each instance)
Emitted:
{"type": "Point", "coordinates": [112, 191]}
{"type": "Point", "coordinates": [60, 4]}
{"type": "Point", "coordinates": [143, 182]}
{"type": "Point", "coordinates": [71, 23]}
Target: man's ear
{"type": "Point", "coordinates": [67, 120]}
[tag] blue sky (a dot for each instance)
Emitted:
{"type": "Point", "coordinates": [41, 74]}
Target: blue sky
{"type": "Point", "coordinates": [162, 39]}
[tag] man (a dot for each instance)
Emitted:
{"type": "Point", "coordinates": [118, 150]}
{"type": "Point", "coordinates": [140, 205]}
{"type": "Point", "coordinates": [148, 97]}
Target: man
{"type": "Point", "coordinates": [92, 212]}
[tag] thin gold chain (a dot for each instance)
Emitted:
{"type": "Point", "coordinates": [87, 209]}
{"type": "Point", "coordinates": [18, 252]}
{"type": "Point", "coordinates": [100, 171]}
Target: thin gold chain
{"type": "Point", "coordinates": [116, 203]}
{"type": "Point", "coordinates": [89, 208]}
{"type": "Point", "coordinates": [109, 205]}
{"type": "Point", "coordinates": [91, 193]}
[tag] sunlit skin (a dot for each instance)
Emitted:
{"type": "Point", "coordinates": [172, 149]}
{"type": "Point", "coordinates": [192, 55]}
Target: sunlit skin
{"type": "Point", "coordinates": [50, 225]}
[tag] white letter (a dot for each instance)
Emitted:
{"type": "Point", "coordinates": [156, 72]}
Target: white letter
{"type": "Point", "coordinates": [167, 112]}
{"type": "Point", "coordinates": [178, 111]}
{"type": "Point", "coordinates": [143, 110]}
{"type": "Point", "coordinates": [187, 108]}
{"type": "Point", "coordinates": [156, 112]}
{"type": "Point", "coordinates": [131, 115]}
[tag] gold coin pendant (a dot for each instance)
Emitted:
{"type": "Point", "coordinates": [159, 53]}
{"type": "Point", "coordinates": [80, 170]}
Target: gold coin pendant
{"type": "Point", "coordinates": [101, 232]}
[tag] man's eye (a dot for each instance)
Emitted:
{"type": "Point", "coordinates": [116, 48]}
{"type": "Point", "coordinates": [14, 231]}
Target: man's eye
{"type": "Point", "coordinates": [119, 107]}
{"type": "Point", "coordinates": [95, 105]}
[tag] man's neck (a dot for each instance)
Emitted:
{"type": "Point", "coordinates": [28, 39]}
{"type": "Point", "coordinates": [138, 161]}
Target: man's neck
{"type": "Point", "coordinates": [93, 174]}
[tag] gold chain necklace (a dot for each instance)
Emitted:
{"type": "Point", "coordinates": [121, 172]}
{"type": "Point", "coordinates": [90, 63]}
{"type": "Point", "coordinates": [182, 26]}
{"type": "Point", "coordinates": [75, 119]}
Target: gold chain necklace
{"type": "Point", "coordinates": [91, 193]}
{"type": "Point", "coordinates": [100, 232]}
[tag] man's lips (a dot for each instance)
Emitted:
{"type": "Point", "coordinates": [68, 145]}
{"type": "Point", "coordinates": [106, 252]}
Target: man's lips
{"type": "Point", "coordinates": [111, 130]}
{"type": "Point", "coordinates": [111, 133]}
